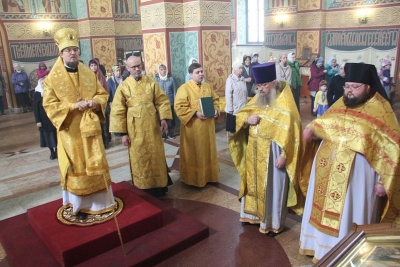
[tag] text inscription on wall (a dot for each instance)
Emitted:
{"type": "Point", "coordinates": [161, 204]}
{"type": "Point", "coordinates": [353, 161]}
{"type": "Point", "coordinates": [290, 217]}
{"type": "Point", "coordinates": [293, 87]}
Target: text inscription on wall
{"type": "Point", "coordinates": [355, 40]}
{"type": "Point", "coordinates": [33, 52]}
{"type": "Point", "coordinates": [130, 44]}
{"type": "Point", "coordinates": [277, 40]}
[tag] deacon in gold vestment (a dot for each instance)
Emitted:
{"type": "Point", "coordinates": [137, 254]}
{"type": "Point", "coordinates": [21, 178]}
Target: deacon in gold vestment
{"type": "Point", "coordinates": [137, 106]}
{"type": "Point", "coordinates": [75, 103]}
{"type": "Point", "coordinates": [198, 150]}
{"type": "Point", "coordinates": [266, 149]}
{"type": "Point", "coordinates": [355, 174]}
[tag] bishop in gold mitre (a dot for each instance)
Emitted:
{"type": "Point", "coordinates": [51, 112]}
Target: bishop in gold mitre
{"type": "Point", "coordinates": [75, 103]}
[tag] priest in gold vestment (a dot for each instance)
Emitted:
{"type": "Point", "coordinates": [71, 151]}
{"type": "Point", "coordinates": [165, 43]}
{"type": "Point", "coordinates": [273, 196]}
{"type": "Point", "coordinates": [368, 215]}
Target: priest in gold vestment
{"type": "Point", "coordinates": [137, 108]}
{"type": "Point", "coordinates": [266, 150]}
{"type": "Point", "coordinates": [198, 150]}
{"type": "Point", "coordinates": [355, 174]}
{"type": "Point", "coordinates": [75, 103]}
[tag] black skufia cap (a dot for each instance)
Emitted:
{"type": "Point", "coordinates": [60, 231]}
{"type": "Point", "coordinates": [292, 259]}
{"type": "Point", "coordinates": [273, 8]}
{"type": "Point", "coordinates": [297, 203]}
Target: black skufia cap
{"type": "Point", "coordinates": [366, 74]}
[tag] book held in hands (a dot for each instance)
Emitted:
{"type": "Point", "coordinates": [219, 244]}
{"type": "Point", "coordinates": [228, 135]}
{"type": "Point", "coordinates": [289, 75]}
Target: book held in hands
{"type": "Point", "coordinates": [207, 106]}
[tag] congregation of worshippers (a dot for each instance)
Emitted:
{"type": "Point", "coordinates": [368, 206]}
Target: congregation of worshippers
{"type": "Point", "coordinates": [342, 168]}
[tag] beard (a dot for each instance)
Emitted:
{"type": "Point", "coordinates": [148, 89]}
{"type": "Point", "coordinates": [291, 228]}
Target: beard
{"type": "Point", "coordinates": [355, 101]}
{"type": "Point", "coordinates": [264, 100]}
{"type": "Point", "coordinates": [73, 64]}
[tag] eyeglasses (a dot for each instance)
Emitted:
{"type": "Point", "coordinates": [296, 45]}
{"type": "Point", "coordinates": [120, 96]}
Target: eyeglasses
{"type": "Point", "coordinates": [135, 67]}
{"type": "Point", "coordinates": [353, 87]}
{"type": "Point", "coordinates": [70, 50]}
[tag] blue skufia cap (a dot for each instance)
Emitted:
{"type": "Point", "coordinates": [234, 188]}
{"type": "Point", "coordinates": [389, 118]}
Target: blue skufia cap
{"type": "Point", "coordinates": [264, 73]}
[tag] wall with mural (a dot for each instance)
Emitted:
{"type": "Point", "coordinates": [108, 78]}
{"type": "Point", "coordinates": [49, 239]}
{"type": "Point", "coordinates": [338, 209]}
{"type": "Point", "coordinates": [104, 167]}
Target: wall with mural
{"type": "Point", "coordinates": [356, 31]}
{"type": "Point", "coordinates": [28, 26]}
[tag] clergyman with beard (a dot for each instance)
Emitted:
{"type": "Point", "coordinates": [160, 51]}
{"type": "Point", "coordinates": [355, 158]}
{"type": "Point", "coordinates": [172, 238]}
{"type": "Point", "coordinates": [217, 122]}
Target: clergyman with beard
{"type": "Point", "coordinates": [266, 150]}
{"type": "Point", "coordinates": [75, 102]}
{"type": "Point", "coordinates": [353, 177]}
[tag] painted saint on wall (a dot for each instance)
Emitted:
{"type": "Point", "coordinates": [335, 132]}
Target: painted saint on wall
{"type": "Point", "coordinates": [13, 6]}
{"type": "Point", "coordinates": [121, 6]}
{"type": "Point", "coordinates": [51, 6]}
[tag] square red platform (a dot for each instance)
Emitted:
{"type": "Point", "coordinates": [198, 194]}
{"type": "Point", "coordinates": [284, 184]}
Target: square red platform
{"type": "Point", "coordinates": [71, 244]}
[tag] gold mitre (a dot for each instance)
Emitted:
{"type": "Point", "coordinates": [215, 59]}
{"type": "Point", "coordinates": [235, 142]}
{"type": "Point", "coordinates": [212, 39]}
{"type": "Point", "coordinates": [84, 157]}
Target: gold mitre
{"type": "Point", "coordinates": [66, 37]}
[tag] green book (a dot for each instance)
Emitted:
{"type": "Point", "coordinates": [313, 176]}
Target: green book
{"type": "Point", "coordinates": [207, 106]}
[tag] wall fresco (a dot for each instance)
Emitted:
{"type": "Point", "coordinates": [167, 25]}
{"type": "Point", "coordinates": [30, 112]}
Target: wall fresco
{"type": "Point", "coordinates": [184, 46]}
{"type": "Point", "coordinates": [86, 52]}
{"type": "Point", "coordinates": [308, 40]}
{"type": "Point", "coordinates": [155, 51]}
{"type": "Point", "coordinates": [32, 30]}
{"type": "Point", "coordinates": [100, 9]}
{"type": "Point", "coordinates": [104, 50]}
{"type": "Point", "coordinates": [81, 9]}
{"type": "Point", "coordinates": [308, 5]}
{"type": "Point", "coordinates": [241, 22]}
{"type": "Point", "coordinates": [132, 27]}
{"type": "Point", "coordinates": [217, 58]}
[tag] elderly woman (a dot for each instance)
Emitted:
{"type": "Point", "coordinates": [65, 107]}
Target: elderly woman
{"type": "Point", "coordinates": [235, 94]}
{"type": "Point", "coordinates": [165, 80]}
{"type": "Point", "coordinates": [20, 80]}
{"type": "Point", "coordinates": [283, 70]}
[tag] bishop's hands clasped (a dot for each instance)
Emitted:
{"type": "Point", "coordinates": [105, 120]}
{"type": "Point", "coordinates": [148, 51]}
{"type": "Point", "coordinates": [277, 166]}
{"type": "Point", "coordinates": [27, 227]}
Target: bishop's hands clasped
{"type": "Point", "coordinates": [86, 104]}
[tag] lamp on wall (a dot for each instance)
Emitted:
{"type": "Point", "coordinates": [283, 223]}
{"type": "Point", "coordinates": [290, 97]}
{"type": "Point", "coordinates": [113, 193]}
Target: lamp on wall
{"type": "Point", "coordinates": [363, 20]}
{"type": "Point", "coordinates": [280, 19]}
{"type": "Point", "coordinates": [45, 27]}
{"type": "Point", "coordinates": [363, 15]}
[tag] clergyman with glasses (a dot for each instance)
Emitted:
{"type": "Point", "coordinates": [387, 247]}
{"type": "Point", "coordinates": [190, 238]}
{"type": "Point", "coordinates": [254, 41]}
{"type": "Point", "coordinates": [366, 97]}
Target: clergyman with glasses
{"type": "Point", "coordinates": [266, 150]}
{"type": "Point", "coordinates": [354, 175]}
{"type": "Point", "coordinates": [138, 109]}
{"type": "Point", "coordinates": [75, 102]}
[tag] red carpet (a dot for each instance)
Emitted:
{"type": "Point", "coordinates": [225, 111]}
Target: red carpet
{"type": "Point", "coordinates": [230, 243]}
{"type": "Point", "coordinates": [152, 231]}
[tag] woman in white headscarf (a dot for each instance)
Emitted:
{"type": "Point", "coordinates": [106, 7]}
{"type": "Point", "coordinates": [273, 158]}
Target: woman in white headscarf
{"type": "Point", "coordinates": [165, 80]}
{"type": "Point", "coordinates": [48, 134]}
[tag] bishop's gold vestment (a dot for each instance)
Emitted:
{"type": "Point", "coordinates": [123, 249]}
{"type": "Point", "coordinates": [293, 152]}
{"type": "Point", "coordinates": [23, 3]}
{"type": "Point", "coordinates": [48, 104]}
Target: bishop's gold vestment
{"type": "Point", "coordinates": [250, 150]}
{"type": "Point", "coordinates": [81, 155]}
{"type": "Point", "coordinates": [370, 129]}
{"type": "Point", "coordinates": [136, 110]}
{"type": "Point", "coordinates": [198, 151]}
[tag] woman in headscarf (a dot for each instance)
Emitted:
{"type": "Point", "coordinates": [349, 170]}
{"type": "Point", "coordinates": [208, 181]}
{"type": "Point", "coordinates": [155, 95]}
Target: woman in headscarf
{"type": "Point", "coordinates": [94, 65]}
{"type": "Point", "coordinates": [296, 82]}
{"type": "Point", "coordinates": [165, 80]}
{"type": "Point", "coordinates": [48, 133]}
{"type": "Point", "coordinates": [317, 75]}
{"type": "Point", "coordinates": [21, 83]}
{"type": "Point", "coordinates": [332, 68]}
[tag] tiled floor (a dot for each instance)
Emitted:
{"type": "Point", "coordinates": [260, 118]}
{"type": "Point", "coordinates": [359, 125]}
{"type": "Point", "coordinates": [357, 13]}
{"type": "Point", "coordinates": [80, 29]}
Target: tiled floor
{"type": "Point", "coordinates": [29, 178]}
